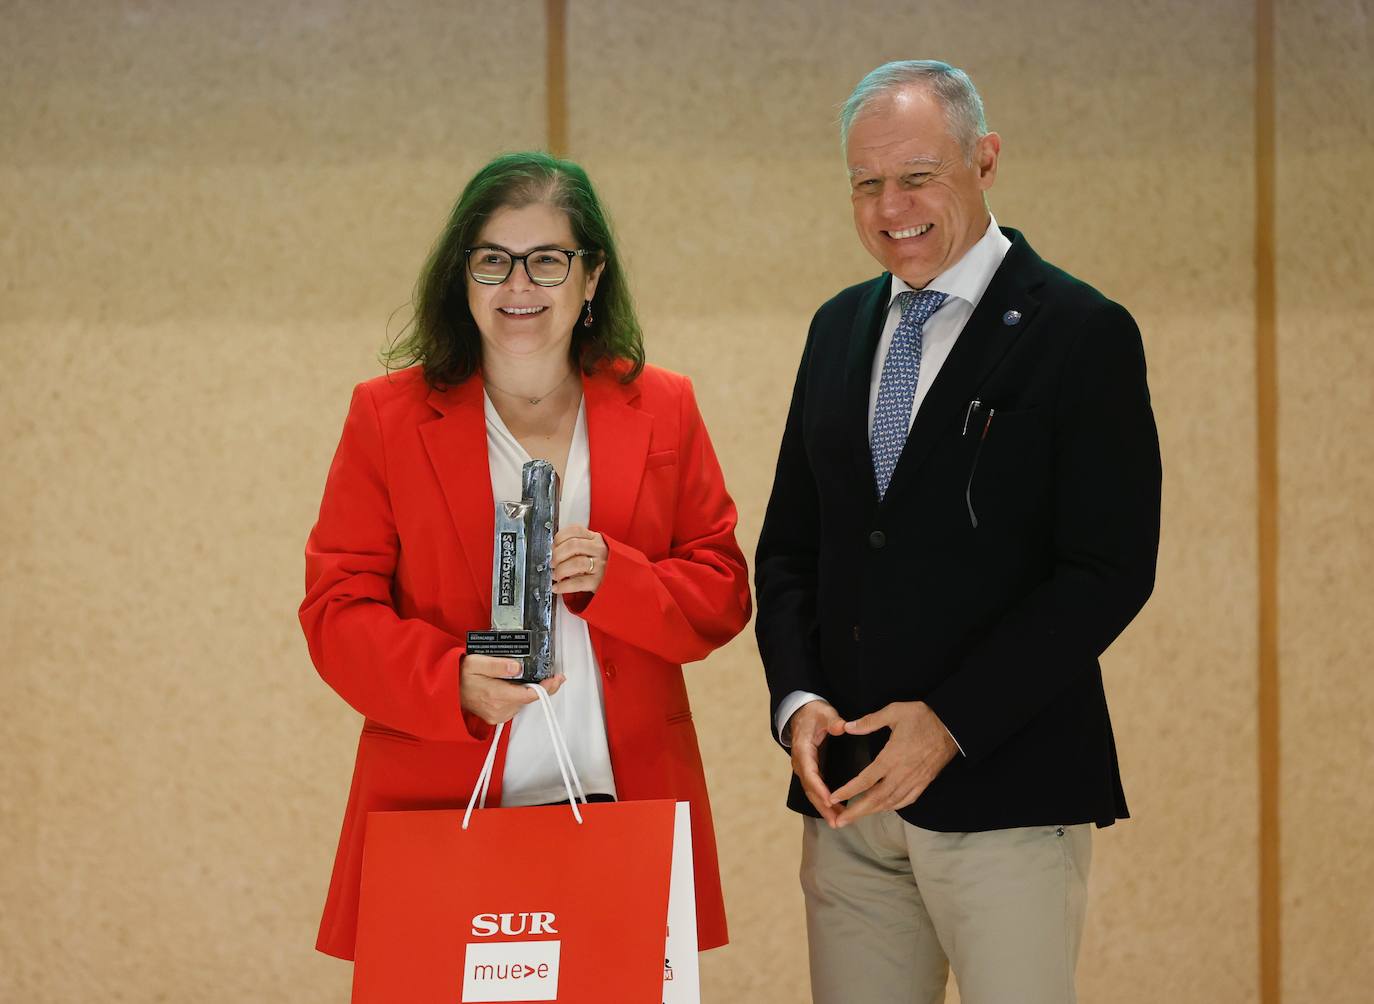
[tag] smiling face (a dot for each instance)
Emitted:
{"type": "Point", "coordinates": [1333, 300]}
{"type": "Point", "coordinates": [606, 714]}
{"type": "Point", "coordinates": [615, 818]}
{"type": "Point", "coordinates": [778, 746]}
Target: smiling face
{"type": "Point", "coordinates": [519, 317]}
{"type": "Point", "coordinates": [918, 206]}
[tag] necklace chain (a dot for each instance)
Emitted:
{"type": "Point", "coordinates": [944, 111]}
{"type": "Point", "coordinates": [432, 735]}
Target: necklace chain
{"type": "Point", "coordinates": [531, 400]}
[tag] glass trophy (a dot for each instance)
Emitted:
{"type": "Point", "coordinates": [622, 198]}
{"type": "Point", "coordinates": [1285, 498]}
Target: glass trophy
{"type": "Point", "coordinates": [522, 598]}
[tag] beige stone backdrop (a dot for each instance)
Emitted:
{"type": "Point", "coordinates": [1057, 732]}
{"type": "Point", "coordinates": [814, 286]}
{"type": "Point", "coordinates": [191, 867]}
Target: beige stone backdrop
{"type": "Point", "coordinates": [1325, 77]}
{"type": "Point", "coordinates": [209, 211]}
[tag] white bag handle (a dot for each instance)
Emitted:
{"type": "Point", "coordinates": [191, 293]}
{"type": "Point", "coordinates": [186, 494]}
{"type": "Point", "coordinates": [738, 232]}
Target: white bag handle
{"type": "Point", "coordinates": [561, 756]}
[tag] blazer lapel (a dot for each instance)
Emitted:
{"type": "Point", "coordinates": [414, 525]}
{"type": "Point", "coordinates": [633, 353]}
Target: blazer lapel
{"type": "Point", "coordinates": [863, 342]}
{"type": "Point", "coordinates": [982, 344]}
{"type": "Point", "coordinates": [618, 435]}
{"type": "Point", "coordinates": [457, 447]}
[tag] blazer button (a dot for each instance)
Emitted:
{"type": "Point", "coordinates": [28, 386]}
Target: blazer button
{"type": "Point", "coordinates": [609, 671]}
{"type": "Point", "coordinates": [877, 540]}
{"type": "Point", "coordinates": [856, 632]}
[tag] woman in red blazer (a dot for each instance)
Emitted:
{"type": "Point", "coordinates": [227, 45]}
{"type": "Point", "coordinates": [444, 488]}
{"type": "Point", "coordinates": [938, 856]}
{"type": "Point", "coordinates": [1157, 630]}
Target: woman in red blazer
{"type": "Point", "coordinates": [522, 319]}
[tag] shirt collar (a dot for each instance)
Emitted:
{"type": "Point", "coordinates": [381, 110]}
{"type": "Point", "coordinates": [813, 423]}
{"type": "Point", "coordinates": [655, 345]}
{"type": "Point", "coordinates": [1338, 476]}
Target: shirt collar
{"type": "Point", "coordinates": [968, 277]}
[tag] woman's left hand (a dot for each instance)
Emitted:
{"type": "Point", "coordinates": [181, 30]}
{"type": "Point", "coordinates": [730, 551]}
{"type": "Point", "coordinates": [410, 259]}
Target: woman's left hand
{"type": "Point", "coordinates": [579, 560]}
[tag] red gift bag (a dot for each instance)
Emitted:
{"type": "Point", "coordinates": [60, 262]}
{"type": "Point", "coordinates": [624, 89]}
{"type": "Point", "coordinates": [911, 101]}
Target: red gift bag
{"type": "Point", "coordinates": [521, 904]}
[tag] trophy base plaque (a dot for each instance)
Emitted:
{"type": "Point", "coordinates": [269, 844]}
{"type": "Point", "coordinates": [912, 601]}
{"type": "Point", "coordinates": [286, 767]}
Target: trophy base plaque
{"type": "Point", "coordinates": [501, 644]}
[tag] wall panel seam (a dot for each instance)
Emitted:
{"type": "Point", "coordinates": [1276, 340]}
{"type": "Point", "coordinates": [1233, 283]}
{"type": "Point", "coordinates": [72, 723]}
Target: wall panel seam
{"type": "Point", "coordinates": [556, 75]}
{"type": "Point", "coordinates": [1267, 405]}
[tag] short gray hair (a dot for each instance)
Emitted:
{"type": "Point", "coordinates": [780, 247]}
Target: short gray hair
{"type": "Point", "coordinates": [950, 86]}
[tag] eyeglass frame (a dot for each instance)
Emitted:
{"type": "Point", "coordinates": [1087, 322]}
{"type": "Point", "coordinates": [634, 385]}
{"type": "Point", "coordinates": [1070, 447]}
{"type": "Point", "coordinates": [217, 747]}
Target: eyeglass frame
{"type": "Point", "coordinates": [523, 259]}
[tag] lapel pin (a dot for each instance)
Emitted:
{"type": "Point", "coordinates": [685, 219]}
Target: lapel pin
{"type": "Point", "coordinates": [1011, 317]}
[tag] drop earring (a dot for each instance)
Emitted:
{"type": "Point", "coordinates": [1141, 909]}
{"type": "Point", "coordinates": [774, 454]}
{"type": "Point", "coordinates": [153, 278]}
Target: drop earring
{"type": "Point", "coordinates": [587, 321]}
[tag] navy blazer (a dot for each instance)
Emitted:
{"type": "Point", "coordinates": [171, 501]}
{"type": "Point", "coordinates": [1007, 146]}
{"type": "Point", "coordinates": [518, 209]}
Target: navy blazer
{"type": "Point", "coordinates": [1017, 539]}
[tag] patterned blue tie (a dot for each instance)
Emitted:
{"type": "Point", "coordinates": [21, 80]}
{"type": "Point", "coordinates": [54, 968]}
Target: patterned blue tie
{"type": "Point", "coordinates": [897, 385]}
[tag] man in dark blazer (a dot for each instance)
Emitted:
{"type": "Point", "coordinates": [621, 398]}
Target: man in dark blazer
{"type": "Point", "coordinates": [965, 515]}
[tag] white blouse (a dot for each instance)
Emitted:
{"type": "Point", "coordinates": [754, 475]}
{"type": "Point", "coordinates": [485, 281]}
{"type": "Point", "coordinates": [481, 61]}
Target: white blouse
{"type": "Point", "coordinates": [531, 775]}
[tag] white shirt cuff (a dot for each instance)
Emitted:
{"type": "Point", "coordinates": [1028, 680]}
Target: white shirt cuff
{"type": "Point", "coordinates": [787, 709]}
{"type": "Point", "coordinates": [951, 735]}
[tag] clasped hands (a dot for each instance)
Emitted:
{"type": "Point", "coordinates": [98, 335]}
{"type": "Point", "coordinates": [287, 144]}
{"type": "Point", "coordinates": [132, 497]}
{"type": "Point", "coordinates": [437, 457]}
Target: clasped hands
{"type": "Point", "coordinates": [485, 683]}
{"type": "Point", "coordinates": [917, 750]}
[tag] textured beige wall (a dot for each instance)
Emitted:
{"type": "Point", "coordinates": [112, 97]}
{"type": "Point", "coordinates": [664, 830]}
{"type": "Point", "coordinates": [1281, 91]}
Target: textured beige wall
{"type": "Point", "coordinates": [1325, 77]}
{"type": "Point", "coordinates": [207, 212]}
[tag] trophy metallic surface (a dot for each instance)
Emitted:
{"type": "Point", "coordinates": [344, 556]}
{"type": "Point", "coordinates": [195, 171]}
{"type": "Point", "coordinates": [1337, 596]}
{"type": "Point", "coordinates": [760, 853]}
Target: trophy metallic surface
{"type": "Point", "coordinates": [522, 599]}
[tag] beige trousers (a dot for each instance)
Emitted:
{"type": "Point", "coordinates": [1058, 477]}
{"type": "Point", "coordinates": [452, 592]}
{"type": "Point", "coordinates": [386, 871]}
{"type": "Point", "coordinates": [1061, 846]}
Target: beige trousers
{"type": "Point", "coordinates": [891, 907]}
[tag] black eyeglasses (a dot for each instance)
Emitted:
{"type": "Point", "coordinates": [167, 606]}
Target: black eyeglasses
{"type": "Point", "coordinates": [492, 266]}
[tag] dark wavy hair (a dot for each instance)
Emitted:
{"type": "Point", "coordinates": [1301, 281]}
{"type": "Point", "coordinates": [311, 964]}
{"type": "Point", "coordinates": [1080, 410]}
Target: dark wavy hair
{"type": "Point", "coordinates": [442, 336]}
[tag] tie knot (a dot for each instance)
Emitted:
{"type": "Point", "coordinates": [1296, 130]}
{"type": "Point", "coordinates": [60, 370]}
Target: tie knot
{"type": "Point", "coordinates": [918, 304]}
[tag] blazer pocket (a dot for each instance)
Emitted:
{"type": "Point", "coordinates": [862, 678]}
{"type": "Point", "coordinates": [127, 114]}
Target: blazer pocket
{"type": "Point", "coordinates": [663, 458]}
{"type": "Point", "coordinates": [381, 731]}
{"type": "Point", "coordinates": [1020, 426]}
{"type": "Point", "coordinates": [1009, 462]}
{"type": "Point", "coordinates": [680, 716]}
{"type": "Point", "coordinates": [1013, 414]}
{"type": "Point", "coordinates": [651, 528]}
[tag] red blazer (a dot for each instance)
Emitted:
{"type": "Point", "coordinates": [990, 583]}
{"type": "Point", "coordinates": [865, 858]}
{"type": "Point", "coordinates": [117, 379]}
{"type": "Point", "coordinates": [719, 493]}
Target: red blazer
{"type": "Point", "coordinates": [398, 568]}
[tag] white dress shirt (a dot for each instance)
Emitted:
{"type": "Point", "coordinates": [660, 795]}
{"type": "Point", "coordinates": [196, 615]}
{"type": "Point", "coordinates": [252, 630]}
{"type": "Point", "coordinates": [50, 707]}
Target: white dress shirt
{"type": "Point", "coordinates": [963, 284]}
{"type": "Point", "coordinates": [531, 774]}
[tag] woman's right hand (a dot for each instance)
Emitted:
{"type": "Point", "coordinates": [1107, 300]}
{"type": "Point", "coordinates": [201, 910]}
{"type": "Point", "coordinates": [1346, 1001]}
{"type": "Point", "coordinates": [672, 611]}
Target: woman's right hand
{"type": "Point", "coordinates": [486, 688]}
